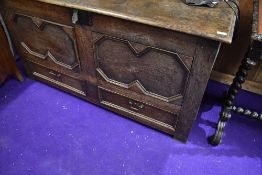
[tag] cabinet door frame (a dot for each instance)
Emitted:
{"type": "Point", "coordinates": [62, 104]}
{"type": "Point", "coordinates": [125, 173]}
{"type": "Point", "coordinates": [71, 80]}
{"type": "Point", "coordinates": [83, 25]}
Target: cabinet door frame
{"type": "Point", "coordinates": [136, 85]}
{"type": "Point", "coordinates": [40, 25]}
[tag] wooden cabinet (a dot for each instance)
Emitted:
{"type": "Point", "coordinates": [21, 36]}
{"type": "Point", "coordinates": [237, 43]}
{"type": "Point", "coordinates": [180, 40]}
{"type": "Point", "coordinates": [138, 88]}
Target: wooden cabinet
{"type": "Point", "coordinates": [148, 72]}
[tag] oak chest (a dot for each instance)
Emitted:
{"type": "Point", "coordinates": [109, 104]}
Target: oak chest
{"type": "Point", "coordinates": [146, 60]}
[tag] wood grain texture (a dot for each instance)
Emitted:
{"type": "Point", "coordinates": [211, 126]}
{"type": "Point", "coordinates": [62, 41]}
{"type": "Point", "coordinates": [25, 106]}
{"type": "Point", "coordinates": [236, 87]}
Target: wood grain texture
{"type": "Point", "coordinates": [130, 104]}
{"type": "Point", "coordinates": [7, 61]}
{"type": "Point", "coordinates": [165, 80]}
{"type": "Point", "coordinates": [153, 75]}
{"type": "Point", "coordinates": [260, 17]}
{"type": "Point", "coordinates": [230, 56]}
{"type": "Point", "coordinates": [169, 14]}
{"type": "Point", "coordinates": [38, 9]}
{"type": "Point", "coordinates": [206, 54]}
{"type": "Point", "coordinates": [51, 76]}
{"type": "Point", "coordinates": [45, 40]}
{"type": "Point", "coordinates": [252, 86]}
{"type": "Point", "coordinates": [144, 34]}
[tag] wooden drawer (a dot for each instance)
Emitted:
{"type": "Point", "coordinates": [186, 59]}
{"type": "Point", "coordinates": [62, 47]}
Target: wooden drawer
{"type": "Point", "coordinates": [141, 111]}
{"type": "Point", "coordinates": [54, 78]}
{"type": "Point", "coordinates": [151, 61]}
{"type": "Point", "coordinates": [47, 43]}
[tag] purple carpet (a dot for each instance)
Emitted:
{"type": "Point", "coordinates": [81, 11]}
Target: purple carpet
{"type": "Point", "coordinates": [44, 131]}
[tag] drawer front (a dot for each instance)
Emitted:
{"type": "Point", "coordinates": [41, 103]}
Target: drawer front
{"type": "Point", "coordinates": [151, 71]}
{"type": "Point", "coordinates": [57, 79]}
{"type": "Point", "coordinates": [140, 111]}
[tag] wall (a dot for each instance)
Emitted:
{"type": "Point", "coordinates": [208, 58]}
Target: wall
{"type": "Point", "coordinates": [230, 56]}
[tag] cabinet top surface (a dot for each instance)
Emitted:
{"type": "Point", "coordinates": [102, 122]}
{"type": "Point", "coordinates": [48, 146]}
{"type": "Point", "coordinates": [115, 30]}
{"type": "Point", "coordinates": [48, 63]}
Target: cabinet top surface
{"type": "Point", "coordinates": [213, 23]}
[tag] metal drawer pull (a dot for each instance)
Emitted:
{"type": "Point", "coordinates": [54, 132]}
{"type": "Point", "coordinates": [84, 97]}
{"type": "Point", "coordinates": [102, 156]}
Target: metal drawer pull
{"type": "Point", "coordinates": [135, 105]}
{"type": "Point", "coordinates": [52, 73]}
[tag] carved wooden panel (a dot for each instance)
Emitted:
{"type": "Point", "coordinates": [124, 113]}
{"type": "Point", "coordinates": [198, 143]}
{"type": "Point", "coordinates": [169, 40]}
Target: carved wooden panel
{"type": "Point", "coordinates": [152, 71]}
{"type": "Point", "coordinates": [47, 40]}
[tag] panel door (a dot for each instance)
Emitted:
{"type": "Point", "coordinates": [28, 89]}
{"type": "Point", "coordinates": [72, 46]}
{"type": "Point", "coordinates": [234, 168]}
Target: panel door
{"type": "Point", "coordinates": [151, 71]}
{"type": "Point", "coordinates": [46, 42]}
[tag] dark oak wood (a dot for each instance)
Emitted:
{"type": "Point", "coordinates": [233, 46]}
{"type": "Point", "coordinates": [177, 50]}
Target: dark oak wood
{"type": "Point", "coordinates": [147, 72]}
{"type": "Point", "coordinates": [169, 14]}
{"type": "Point", "coordinates": [253, 54]}
{"type": "Point", "coordinates": [140, 110]}
{"type": "Point", "coordinates": [55, 78]}
{"type": "Point", "coordinates": [201, 69]}
{"type": "Point", "coordinates": [260, 18]}
{"type": "Point", "coordinates": [7, 61]}
{"type": "Point", "coordinates": [231, 56]}
{"type": "Point", "coordinates": [139, 72]}
{"type": "Point", "coordinates": [44, 40]}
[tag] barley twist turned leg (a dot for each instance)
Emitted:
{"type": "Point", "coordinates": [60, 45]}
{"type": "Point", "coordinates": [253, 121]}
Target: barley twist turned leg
{"type": "Point", "coordinates": [225, 113]}
{"type": "Point", "coordinates": [247, 112]}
